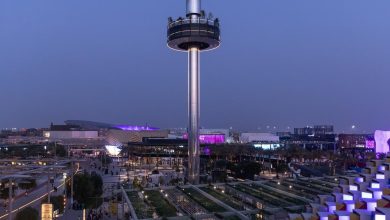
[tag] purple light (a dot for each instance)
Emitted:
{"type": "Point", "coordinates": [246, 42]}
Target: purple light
{"type": "Point", "coordinates": [135, 128]}
{"type": "Point", "coordinates": [209, 138]}
{"type": "Point", "coordinates": [370, 144]}
{"type": "Point", "coordinates": [382, 140]}
{"type": "Point", "coordinates": [359, 179]}
{"type": "Point", "coordinates": [207, 151]}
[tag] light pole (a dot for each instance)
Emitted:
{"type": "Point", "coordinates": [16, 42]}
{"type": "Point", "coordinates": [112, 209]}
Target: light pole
{"type": "Point", "coordinates": [65, 186]}
{"type": "Point", "coordinates": [48, 188]}
{"type": "Point", "coordinates": [10, 199]}
{"type": "Point", "coordinates": [353, 128]}
{"type": "Point", "coordinates": [71, 186]}
{"type": "Point", "coordinates": [55, 150]}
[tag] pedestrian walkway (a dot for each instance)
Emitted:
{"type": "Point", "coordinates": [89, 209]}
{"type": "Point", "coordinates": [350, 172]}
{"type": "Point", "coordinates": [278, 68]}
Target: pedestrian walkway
{"type": "Point", "coordinates": [71, 214]}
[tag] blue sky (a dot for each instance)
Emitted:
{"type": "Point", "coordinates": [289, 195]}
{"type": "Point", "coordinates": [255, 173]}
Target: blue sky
{"type": "Point", "coordinates": [282, 63]}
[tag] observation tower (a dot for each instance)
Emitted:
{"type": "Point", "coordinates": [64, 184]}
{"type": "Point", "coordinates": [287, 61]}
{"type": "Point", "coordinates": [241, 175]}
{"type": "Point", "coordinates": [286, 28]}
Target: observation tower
{"type": "Point", "coordinates": [193, 34]}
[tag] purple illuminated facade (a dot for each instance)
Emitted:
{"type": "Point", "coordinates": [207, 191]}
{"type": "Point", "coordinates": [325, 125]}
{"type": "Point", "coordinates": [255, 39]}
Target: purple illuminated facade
{"type": "Point", "coordinates": [210, 138]}
{"type": "Point", "coordinates": [370, 144]}
{"type": "Point", "coordinates": [382, 141]}
{"type": "Point", "coordinates": [135, 128]}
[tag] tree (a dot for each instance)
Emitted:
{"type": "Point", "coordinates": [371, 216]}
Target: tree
{"type": "Point", "coordinates": [27, 213]}
{"type": "Point", "coordinates": [136, 182]}
{"type": "Point", "coordinates": [87, 187]}
{"type": "Point", "coordinates": [161, 180]}
{"type": "Point", "coordinates": [4, 190]}
{"type": "Point", "coordinates": [61, 151]}
{"type": "Point", "coordinates": [245, 169]}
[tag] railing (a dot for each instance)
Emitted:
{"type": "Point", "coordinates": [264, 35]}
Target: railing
{"type": "Point", "coordinates": [182, 21]}
{"type": "Point", "coordinates": [199, 27]}
{"type": "Point", "coordinates": [131, 208]}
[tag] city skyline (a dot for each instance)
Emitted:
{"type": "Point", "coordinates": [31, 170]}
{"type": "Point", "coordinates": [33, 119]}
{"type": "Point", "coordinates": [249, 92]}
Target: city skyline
{"type": "Point", "coordinates": [306, 65]}
{"type": "Point", "coordinates": [353, 129]}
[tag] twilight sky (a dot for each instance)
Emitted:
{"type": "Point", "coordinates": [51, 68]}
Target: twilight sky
{"type": "Point", "coordinates": [282, 63]}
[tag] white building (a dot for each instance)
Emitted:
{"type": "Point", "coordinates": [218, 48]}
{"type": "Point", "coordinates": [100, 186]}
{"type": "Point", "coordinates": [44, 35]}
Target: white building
{"type": "Point", "coordinates": [61, 135]}
{"type": "Point", "coordinates": [382, 141]}
{"type": "Point", "coordinates": [258, 137]}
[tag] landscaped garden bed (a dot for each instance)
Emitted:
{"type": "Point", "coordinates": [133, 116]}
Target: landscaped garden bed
{"type": "Point", "coordinates": [202, 200]}
{"type": "Point", "coordinates": [142, 210]}
{"type": "Point", "coordinates": [282, 196]}
{"type": "Point", "coordinates": [161, 205]}
{"type": "Point", "coordinates": [223, 197]}
{"type": "Point", "coordinates": [268, 201]}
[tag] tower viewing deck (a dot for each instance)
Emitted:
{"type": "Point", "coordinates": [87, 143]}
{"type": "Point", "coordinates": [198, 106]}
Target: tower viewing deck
{"type": "Point", "coordinates": [185, 33]}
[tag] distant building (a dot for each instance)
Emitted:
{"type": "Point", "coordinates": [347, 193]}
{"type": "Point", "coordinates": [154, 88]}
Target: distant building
{"type": "Point", "coordinates": [361, 141]}
{"type": "Point", "coordinates": [89, 125]}
{"type": "Point", "coordinates": [21, 136]}
{"type": "Point", "coordinates": [283, 134]}
{"type": "Point", "coordinates": [304, 131]}
{"type": "Point", "coordinates": [325, 142]}
{"type": "Point", "coordinates": [382, 141]}
{"type": "Point", "coordinates": [24, 140]}
{"type": "Point", "coordinates": [61, 135]}
{"type": "Point", "coordinates": [92, 125]}
{"type": "Point", "coordinates": [316, 130]}
{"type": "Point", "coordinates": [323, 129]}
{"type": "Point", "coordinates": [54, 127]}
{"type": "Point", "coordinates": [225, 132]}
{"type": "Point", "coordinates": [73, 135]}
{"type": "Point", "coordinates": [312, 137]}
{"type": "Point", "coordinates": [258, 137]}
{"type": "Point", "coordinates": [123, 137]}
{"type": "Point", "coordinates": [212, 136]}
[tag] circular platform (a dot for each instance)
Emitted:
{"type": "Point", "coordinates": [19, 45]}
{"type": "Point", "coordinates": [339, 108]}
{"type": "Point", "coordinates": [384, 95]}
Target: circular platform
{"type": "Point", "coordinates": [185, 33]}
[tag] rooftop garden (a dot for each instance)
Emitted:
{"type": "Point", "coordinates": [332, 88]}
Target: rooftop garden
{"type": "Point", "coordinates": [268, 201]}
{"type": "Point", "coordinates": [282, 196]}
{"type": "Point", "coordinates": [223, 197]}
{"type": "Point", "coordinates": [328, 188]}
{"type": "Point", "coordinates": [202, 200]}
{"type": "Point", "coordinates": [285, 186]}
{"type": "Point", "coordinates": [141, 209]}
{"type": "Point", "coordinates": [161, 205]}
{"type": "Point", "coordinates": [269, 197]}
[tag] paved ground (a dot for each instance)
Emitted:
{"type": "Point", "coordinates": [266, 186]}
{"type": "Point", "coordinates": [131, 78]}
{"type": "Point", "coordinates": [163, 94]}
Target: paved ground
{"type": "Point", "coordinates": [109, 185]}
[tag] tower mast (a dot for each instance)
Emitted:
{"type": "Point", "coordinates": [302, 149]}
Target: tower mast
{"type": "Point", "coordinates": [193, 34]}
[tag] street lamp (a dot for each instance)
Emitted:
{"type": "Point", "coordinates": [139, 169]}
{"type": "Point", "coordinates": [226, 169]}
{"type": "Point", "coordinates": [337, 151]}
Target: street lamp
{"type": "Point", "coordinates": [353, 128]}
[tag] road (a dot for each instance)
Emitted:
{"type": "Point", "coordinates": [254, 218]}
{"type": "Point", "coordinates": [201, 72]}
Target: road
{"type": "Point", "coordinates": [34, 198]}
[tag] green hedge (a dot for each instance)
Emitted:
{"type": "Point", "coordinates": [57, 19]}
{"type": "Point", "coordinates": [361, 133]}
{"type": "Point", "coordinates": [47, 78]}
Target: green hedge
{"type": "Point", "coordinates": [162, 206]}
{"type": "Point", "coordinates": [203, 201]}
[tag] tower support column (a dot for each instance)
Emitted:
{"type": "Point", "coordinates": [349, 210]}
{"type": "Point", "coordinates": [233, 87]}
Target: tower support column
{"type": "Point", "coordinates": [193, 34]}
{"type": "Point", "coordinates": [193, 114]}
